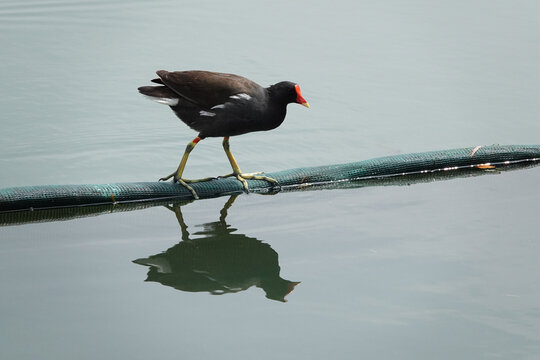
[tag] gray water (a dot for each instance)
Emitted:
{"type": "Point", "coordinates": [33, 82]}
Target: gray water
{"type": "Point", "coordinates": [443, 270]}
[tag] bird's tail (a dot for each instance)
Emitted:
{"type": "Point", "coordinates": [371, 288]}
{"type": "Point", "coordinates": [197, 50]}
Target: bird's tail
{"type": "Point", "coordinates": [160, 94]}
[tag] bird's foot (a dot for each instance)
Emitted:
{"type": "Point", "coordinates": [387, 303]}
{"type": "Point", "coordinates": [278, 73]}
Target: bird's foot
{"type": "Point", "coordinates": [177, 179]}
{"type": "Point", "coordinates": [165, 178]}
{"type": "Point", "coordinates": [185, 182]}
{"type": "Point", "coordinates": [250, 176]}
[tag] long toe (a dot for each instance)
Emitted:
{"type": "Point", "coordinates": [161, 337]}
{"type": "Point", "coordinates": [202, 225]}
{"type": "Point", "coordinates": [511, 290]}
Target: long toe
{"type": "Point", "coordinates": [239, 177]}
{"type": "Point", "coordinates": [226, 176]}
{"type": "Point", "coordinates": [185, 184]}
{"type": "Point", "coordinates": [243, 181]}
{"type": "Point", "coordinates": [199, 180]}
{"type": "Point", "coordinates": [165, 178]}
{"type": "Point", "coordinates": [260, 177]}
{"type": "Point", "coordinates": [244, 177]}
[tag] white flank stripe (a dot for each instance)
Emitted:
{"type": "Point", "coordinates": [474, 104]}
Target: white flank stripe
{"type": "Point", "coordinates": [241, 96]}
{"type": "Point", "coordinates": [220, 106]}
{"type": "Point", "coordinates": [206, 113]}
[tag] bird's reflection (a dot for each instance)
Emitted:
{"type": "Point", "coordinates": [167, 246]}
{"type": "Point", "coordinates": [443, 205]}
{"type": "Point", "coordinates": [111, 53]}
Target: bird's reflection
{"type": "Point", "coordinates": [218, 261]}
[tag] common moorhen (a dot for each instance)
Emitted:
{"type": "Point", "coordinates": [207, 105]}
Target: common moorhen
{"type": "Point", "coordinates": [222, 105]}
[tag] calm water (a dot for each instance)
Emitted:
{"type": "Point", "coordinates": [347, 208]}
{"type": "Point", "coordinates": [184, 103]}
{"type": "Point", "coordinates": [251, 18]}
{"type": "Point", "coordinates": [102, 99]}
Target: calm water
{"type": "Point", "coordinates": [445, 270]}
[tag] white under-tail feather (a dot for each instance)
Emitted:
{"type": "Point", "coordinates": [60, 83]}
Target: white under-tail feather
{"type": "Point", "coordinates": [165, 101]}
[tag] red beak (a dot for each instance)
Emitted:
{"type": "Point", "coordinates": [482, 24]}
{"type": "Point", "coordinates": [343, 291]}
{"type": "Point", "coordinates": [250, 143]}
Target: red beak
{"type": "Point", "coordinates": [299, 98]}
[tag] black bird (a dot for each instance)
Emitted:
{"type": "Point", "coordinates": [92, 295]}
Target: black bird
{"type": "Point", "coordinates": [222, 105]}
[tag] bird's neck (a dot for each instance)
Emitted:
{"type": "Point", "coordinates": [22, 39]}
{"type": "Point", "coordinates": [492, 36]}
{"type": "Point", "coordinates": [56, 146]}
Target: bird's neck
{"type": "Point", "coordinates": [270, 116]}
{"type": "Point", "coordinates": [277, 97]}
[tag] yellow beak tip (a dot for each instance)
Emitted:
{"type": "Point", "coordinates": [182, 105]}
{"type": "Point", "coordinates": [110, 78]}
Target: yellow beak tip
{"type": "Point", "coordinates": [305, 104]}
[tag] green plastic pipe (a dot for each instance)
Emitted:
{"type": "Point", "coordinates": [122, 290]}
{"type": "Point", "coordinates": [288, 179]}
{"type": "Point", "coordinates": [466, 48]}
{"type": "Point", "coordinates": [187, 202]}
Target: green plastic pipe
{"type": "Point", "coordinates": [383, 169]}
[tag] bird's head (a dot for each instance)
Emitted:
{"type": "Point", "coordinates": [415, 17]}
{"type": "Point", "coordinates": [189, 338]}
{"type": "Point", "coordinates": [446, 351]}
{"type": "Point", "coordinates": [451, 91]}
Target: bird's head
{"type": "Point", "coordinates": [288, 92]}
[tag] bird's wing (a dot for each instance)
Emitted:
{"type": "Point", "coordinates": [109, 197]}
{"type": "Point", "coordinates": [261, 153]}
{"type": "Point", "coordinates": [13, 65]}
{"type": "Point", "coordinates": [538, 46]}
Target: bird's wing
{"type": "Point", "coordinates": [208, 89]}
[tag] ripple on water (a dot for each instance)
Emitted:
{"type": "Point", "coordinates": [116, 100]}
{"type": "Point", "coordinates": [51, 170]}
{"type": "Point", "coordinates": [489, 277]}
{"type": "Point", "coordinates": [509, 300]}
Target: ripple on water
{"type": "Point", "coordinates": [18, 14]}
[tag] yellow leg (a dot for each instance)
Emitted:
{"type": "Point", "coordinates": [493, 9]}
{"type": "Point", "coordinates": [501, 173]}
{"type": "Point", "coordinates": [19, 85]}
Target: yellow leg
{"type": "Point", "coordinates": [237, 173]}
{"type": "Point", "coordinates": [232, 160]}
{"type": "Point", "coordinates": [177, 175]}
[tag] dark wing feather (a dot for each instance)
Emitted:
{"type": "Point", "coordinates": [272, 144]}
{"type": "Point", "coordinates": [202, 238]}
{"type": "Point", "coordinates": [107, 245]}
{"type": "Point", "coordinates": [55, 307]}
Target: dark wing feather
{"type": "Point", "coordinates": [206, 88]}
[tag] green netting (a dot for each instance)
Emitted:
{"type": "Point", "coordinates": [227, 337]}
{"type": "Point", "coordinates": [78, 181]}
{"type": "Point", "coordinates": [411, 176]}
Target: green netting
{"type": "Point", "coordinates": [397, 167]}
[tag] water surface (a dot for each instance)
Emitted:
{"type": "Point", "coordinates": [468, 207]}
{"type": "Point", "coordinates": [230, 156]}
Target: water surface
{"type": "Point", "coordinates": [441, 270]}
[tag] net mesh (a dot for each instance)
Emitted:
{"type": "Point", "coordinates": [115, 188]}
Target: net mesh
{"type": "Point", "coordinates": [373, 170]}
